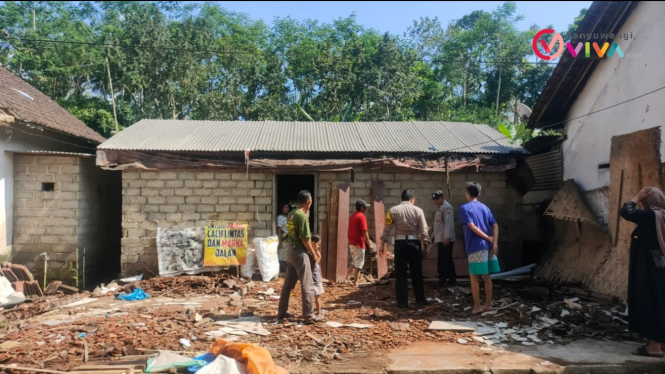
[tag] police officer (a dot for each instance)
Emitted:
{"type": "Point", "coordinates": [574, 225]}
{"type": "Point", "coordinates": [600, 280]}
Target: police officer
{"type": "Point", "coordinates": [410, 228]}
{"type": "Point", "coordinates": [442, 235]}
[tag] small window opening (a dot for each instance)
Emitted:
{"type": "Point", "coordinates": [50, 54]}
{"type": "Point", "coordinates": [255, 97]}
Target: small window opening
{"type": "Point", "coordinates": [604, 165]}
{"type": "Point", "coordinates": [48, 186]}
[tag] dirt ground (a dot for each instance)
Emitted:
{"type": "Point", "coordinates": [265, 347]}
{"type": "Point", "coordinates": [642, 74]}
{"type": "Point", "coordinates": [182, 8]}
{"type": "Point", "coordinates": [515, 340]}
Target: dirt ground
{"type": "Point", "coordinates": [51, 334]}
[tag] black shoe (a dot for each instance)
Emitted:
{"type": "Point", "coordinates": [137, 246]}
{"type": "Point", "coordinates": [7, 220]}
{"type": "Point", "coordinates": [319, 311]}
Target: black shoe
{"type": "Point", "coordinates": [403, 306]}
{"type": "Point", "coordinates": [452, 284]}
{"type": "Point", "coordinates": [424, 303]}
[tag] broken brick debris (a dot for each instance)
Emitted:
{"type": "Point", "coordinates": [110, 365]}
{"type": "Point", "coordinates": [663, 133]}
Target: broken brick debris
{"type": "Point", "coordinates": [21, 279]}
{"type": "Point", "coordinates": [185, 307]}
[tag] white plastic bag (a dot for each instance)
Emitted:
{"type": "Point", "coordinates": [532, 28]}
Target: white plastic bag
{"type": "Point", "coordinates": [266, 253]}
{"type": "Point", "coordinates": [224, 365]}
{"type": "Point", "coordinates": [247, 270]}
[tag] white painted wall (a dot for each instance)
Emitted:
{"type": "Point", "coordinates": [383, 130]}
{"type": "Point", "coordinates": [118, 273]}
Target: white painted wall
{"type": "Point", "coordinates": [616, 80]}
{"type": "Point", "coordinates": [15, 140]}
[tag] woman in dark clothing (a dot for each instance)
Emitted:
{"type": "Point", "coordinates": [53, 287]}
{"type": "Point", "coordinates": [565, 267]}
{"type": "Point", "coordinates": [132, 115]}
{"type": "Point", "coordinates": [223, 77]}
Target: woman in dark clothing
{"type": "Point", "coordinates": [646, 283]}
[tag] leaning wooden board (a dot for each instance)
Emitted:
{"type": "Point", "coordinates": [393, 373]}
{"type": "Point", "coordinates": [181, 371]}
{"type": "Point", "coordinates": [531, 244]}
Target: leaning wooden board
{"type": "Point", "coordinates": [342, 232]}
{"type": "Point", "coordinates": [634, 164]}
{"type": "Point", "coordinates": [379, 216]}
{"type": "Point", "coordinates": [333, 204]}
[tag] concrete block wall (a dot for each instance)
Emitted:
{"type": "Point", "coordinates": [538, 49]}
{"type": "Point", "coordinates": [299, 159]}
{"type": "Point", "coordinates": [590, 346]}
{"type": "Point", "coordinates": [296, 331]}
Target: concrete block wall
{"type": "Point", "coordinates": [46, 221]}
{"type": "Point", "coordinates": [504, 201]}
{"type": "Point", "coordinates": [188, 198]}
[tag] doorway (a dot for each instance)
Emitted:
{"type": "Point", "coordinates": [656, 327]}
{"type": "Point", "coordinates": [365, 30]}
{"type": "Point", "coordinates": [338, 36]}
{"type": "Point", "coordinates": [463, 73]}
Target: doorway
{"type": "Point", "coordinates": [288, 186]}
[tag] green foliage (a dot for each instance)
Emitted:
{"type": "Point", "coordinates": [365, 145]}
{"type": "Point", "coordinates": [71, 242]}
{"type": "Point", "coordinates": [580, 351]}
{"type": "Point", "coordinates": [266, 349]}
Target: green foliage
{"type": "Point", "coordinates": [200, 61]}
{"type": "Point", "coordinates": [572, 28]}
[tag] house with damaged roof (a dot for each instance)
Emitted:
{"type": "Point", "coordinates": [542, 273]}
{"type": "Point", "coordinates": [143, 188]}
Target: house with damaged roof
{"type": "Point", "coordinates": [185, 173]}
{"type": "Point", "coordinates": [610, 112]}
{"type": "Point", "coordinates": [53, 199]}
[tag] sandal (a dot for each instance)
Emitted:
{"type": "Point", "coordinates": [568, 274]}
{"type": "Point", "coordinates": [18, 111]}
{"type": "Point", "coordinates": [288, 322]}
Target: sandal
{"type": "Point", "coordinates": [642, 351]}
{"type": "Point", "coordinates": [286, 316]}
{"type": "Point", "coordinates": [313, 320]}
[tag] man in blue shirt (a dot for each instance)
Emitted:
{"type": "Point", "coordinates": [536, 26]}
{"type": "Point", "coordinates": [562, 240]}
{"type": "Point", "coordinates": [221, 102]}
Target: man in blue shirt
{"type": "Point", "coordinates": [481, 238]}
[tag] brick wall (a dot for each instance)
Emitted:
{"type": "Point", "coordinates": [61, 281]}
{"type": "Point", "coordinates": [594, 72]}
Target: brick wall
{"type": "Point", "coordinates": [83, 211]}
{"type": "Point", "coordinates": [504, 201]}
{"type": "Point", "coordinates": [178, 199]}
{"type": "Point", "coordinates": [46, 221]}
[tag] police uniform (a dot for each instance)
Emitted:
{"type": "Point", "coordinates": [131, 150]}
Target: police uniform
{"type": "Point", "coordinates": [410, 228]}
{"type": "Point", "coordinates": [442, 229]}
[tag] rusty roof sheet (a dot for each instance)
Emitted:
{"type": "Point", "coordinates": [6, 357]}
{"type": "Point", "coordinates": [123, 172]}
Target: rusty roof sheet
{"type": "Point", "coordinates": [345, 137]}
{"type": "Point", "coordinates": [28, 104]}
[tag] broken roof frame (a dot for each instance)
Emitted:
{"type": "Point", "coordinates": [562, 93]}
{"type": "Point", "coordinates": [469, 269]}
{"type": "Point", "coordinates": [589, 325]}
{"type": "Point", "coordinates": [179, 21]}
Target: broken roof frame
{"type": "Point", "coordinates": [133, 160]}
{"type": "Point", "coordinates": [568, 205]}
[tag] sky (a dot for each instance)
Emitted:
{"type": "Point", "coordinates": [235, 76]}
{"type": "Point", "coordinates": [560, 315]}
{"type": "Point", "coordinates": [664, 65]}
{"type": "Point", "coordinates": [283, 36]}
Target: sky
{"type": "Point", "coordinates": [396, 16]}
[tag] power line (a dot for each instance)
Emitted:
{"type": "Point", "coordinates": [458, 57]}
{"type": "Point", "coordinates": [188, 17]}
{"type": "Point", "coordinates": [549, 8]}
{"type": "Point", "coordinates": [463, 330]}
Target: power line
{"type": "Point", "coordinates": [234, 52]}
{"type": "Point", "coordinates": [424, 154]}
{"type": "Point", "coordinates": [558, 123]}
{"type": "Point", "coordinates": [55, 140]}
{"type": "Point", "coordinates": [72, 67]}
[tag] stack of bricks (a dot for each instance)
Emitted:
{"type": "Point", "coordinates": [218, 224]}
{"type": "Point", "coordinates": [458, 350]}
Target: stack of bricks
{"type": "Point", "coordinates": [21, 279]}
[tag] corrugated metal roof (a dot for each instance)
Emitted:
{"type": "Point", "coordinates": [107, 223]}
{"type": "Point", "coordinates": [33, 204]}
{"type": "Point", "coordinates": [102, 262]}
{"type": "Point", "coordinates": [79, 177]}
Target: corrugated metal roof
{"type": "Point", "coordinates": [547, 169]}
{"type": "Point", "coordinates": [276, 136]}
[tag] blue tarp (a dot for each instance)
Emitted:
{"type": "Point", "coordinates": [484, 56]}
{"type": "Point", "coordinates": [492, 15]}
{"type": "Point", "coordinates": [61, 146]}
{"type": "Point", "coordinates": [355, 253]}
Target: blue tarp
{"type": "Point", "coordinates": [136, 295]}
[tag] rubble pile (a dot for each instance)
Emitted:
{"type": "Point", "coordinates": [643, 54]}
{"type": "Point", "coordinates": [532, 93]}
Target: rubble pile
{"type": "Point", "coordinates": [21, 279]}
{"type": "Point", "coordinates": [185, 314]}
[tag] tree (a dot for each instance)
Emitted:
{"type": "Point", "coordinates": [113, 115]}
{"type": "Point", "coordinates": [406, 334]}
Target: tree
{"type": "Point", "coordinates": [199, 61]}
{"type": "Point", "coordinates": [572, 28]}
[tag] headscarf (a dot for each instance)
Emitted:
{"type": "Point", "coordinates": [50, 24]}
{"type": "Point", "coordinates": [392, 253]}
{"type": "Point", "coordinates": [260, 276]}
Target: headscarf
{"type": "Point", "coordinates": [655, 200]}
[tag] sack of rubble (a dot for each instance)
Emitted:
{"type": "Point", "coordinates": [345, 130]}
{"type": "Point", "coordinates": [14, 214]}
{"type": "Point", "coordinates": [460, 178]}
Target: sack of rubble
{"type": "Point", "coordinates": [266, 253]}
{"type": "Point", "coordinates": [247, 270]}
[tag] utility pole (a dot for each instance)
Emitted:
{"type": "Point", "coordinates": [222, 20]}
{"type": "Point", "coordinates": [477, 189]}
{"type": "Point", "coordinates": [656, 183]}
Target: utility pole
{"type": "Point", "coordinates": [108, 71]}
{"type": "Point", "coordinates": [498, 92]}
{"type": "Point", "coordinates": [34, 26]}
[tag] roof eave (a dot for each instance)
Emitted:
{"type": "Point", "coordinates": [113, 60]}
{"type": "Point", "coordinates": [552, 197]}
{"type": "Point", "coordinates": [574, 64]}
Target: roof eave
{"type": "Point", "coordinates": [571, 74]}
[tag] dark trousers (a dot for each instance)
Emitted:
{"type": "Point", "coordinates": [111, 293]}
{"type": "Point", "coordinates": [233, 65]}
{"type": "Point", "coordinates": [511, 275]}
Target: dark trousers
{"type": "Point", "coordinates": [408, 256]}
{"type": "Point", "coordinates": [445, 264]}
{"type": "Point", "coordinates": [298, 268]}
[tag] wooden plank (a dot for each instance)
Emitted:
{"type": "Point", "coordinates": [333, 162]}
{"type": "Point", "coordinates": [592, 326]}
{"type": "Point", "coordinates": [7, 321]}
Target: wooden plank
{"type": "Point", "coordinates": [324, 248]}
{"type": "Point", "coordinates": [342, 232]}
{"type": "Point", "coordinates": [634, 164]}
{"type": "Point", "coordinates": [378, 191]}
{"type": "Point", "coordinates": [618, 217]}
{"type": "Point", "coordinates": [333, 210]}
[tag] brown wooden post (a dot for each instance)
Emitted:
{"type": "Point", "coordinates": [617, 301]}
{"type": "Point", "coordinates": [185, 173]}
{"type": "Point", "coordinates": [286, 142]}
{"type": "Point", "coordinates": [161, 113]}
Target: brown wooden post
{"type": "Point", "coordinates": [342, 232]}
{"type": "Point", "coordinates": [379, 215]}
{"type": "Point", "coordinates": [333, 207]}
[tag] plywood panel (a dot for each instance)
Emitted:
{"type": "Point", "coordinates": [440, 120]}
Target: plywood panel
{"type": "Point", "coordinates": [342, 232]}
{"type": "Point", "coordinates": [378, 191]}
{"type": "Point", "coordinates": [333, 207]}
{"type": "Point", "coordinates": [634, 164]}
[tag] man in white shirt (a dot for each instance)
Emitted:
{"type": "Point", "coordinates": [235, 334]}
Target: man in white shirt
{"type": "Point", "coordinates": [442, 236]}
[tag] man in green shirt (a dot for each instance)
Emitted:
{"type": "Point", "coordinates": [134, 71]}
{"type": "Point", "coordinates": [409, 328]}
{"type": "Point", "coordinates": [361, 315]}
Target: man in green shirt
{"type": "Point", "coordinates": [298, 265]}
